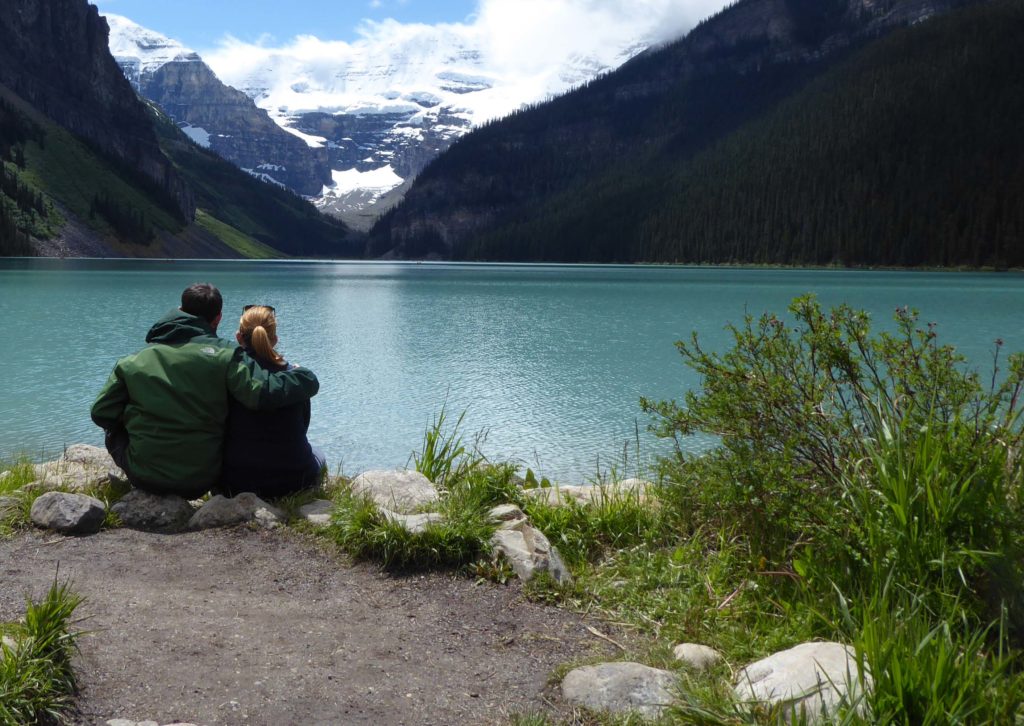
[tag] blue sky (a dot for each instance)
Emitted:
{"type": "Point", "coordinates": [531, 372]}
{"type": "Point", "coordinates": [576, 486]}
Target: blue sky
{"type": "Point", "coordinates": [200, 24]}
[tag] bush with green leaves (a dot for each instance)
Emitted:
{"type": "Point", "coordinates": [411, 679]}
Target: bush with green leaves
{"type": "Point", "coordinates": [793, 405]}
{"type": "Point", "coordinates": [880, 478]}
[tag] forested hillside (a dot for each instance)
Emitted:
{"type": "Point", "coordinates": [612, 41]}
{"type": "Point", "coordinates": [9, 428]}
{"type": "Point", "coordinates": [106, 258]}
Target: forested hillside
{"type": "Point", "coordinates": [86, 168]}
{"type": "Point", "coordinates": [748, 142]}
{"type": "Point", "coordinates": [61, 195]}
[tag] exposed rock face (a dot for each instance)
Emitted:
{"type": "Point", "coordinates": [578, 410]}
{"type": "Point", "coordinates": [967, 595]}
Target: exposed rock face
{"type": "Point", "coordinates": [397, 490]}
{"type": "Point", "coordinates": [811, 679]}
{"type": "Point", "coordinates": [53, 53]}
{"type": "Point", "coordinates": [620, 688]}
{"type": "Point", "coordinates": [142, 510]}
{"type": "Point", "coordinates": [68, 513]}
{"type": "Point", "coordinates": [231, 124]}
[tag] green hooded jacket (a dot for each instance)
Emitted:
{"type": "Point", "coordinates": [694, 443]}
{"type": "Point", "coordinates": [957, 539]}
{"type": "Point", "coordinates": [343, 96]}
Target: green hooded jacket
{"type": "Point", "coordinates": [172, 399]}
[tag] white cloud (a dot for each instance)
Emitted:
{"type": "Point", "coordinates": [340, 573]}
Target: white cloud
{"type": "Point", "coordinates": [526, 49]}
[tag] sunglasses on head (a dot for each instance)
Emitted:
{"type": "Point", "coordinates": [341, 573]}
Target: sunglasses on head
{"type": "Point", "coordinates": [246, 308]}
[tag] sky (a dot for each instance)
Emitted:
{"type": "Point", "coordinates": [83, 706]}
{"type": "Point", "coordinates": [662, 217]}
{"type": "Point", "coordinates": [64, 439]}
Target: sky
{"type": "Point", "coordinates": [204, 25]}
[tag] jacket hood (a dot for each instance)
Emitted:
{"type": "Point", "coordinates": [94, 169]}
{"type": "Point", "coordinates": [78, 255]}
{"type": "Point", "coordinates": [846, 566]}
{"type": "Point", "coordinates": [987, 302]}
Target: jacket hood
{"type": "Point", "coordinates": [178, 327]}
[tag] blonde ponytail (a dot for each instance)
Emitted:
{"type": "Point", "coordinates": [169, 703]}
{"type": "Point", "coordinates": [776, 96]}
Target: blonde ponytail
{"type": "Point", "coordinates": [258, 327]}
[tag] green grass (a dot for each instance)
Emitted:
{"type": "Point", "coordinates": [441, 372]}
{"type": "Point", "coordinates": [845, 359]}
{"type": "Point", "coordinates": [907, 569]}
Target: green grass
{"type": "Point", "coordinates": [459, 540]}
{"type": "Point", "coordinates": [36, 679]}
{"type": "Point", "coordinates": [236, 240]}
{"type": "Point", "coordinates": [21, 471]}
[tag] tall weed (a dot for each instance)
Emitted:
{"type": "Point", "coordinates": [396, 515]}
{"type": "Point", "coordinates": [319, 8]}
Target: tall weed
{"type": "Point", "coordinates": [443, 457]}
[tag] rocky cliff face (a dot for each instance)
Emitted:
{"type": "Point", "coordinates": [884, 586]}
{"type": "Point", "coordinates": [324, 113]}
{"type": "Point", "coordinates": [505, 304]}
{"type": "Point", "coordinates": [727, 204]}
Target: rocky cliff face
{"type": "Point", "coordinates": [53, 53]}
{"type": "Point", "coordinates": [229, 123]}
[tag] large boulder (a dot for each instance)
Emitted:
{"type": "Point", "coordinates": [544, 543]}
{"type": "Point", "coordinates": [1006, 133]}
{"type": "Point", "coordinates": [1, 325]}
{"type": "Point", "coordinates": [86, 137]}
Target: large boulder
{"type": "Point", "coordinates": [142, 510]}
{"type": "Point", "coordinates": [524, 546]}
{"type": "Point", "coordinates": [811, 679]}
{"type": "Point", "coordinates": [620, 688]}
{"type": "Point", "coordinates": [221, 511]}
{"type": "Point", "coordinates": [68, 513]}
{"type": "Point", "coordinates": [400, 491]}
{"type": "Point", "coordinates": [560, 496]}
{"type": "Point", "coordinates": [81, 467]}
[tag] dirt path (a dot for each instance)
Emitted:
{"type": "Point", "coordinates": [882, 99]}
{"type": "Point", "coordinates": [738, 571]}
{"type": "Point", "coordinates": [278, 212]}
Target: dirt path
{"type": "Point", "coordinates": [247, 627]}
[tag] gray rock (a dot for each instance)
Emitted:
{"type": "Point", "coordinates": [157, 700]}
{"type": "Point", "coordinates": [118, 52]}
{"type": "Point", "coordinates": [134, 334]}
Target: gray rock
{"type": "Point", "coordinates": [699, 657]}
{"type": "Point", "coordinates": [620, 688]}
{"type": "Point", "coordinates": [8, 505]}
{"type": "Point", "coordinates": [129, 722]}
{"type": "Point", "coordinates": [507, 516]}
{"type": "Point", "coordinates": [559, 496]}
{"type": "Point", "coordinates": [527, 549]}
{"type": "Point", "coordinates": [397, 490]}
{"type": "Point", "coordinates": [221, 511]}
{"type": "Point", "coordinates": [68, 513]}
{"type": "Point", "coordinates": [317, 512]}
{"type": "Point", "coordinates": [9, 642]}
{"type": "Point", "coordinates": [142, 510]}
{"type": "Point", "coordinates": [81, 467]}
{"type": "Point", "coordinates": [415, 523]}
{"type": "Point", "coordinates": [812, 679]}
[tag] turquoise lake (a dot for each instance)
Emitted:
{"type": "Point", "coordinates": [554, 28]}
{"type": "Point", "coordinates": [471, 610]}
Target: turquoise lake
{"type": "Point", "coordinates": [550, 361]}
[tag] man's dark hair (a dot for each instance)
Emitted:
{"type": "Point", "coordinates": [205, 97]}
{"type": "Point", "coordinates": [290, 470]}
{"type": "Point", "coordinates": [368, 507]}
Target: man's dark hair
{"type": "Point", "coordinates": [202, 300]}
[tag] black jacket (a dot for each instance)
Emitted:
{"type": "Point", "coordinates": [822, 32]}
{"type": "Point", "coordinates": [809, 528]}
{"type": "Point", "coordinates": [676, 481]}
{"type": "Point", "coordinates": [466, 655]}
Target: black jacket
{"type": "Point", "coordinates": [266, 452]}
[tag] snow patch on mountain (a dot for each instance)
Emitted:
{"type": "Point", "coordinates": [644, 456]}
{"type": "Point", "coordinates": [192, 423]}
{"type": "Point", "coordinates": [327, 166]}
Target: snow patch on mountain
{"type": "Point", "coordinates": [141, 49]}
{"type": "Point", "coordinates": [198, 134]}
{"type": "Point", "coordinates": [375, 181]}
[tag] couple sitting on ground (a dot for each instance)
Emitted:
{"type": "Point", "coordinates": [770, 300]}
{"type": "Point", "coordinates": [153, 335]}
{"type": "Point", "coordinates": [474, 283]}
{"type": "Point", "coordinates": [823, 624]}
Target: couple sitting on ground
{"type": "Point", "coordinates": [192, 412]}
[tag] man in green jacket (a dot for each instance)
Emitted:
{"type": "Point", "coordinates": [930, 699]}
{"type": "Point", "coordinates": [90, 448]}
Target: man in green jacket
{"type": "Point", "coordinates": [164, 408]}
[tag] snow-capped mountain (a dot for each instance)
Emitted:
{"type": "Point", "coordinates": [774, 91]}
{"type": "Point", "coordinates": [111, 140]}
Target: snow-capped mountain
{"type": "Point", "coordinates": [377, 110]}
{"type": "Point", "coordinates": [141, 52]}
{"type": "Point", "coordinates": [386, 105]}
{"type": "Point", "coordinates": [211, 113]}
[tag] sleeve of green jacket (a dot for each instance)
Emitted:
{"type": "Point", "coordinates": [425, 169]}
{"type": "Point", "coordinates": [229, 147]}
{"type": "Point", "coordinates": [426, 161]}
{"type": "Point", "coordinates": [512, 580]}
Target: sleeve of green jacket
{"type": "Point", "coordinates": [257, 388]}
{"type": "Point", "coordinates": [108, 409]}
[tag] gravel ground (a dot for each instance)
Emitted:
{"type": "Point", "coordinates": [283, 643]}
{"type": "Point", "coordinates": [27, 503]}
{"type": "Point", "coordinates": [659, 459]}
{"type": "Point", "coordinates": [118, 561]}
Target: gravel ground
{"type": "Point", "coordinates": [251, 627]}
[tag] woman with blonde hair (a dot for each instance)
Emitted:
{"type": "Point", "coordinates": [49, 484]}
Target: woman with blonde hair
{"type": "Point", "coordinates": [267, 452]}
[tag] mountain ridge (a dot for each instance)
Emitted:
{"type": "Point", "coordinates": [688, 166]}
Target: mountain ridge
{"type": "Point", "coordinates": [572, 179]}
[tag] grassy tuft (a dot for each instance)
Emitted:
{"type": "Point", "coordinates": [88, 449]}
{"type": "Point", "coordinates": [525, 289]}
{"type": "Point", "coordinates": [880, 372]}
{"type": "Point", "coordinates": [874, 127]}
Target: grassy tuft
{"type": "Point", "coordinates": [36, 679]}
{"type": "Point", "coordinates": [443, 457]}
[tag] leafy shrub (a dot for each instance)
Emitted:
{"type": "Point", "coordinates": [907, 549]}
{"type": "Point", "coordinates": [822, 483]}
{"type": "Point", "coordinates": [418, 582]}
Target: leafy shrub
{"type": "Point", "coordinates": [793, 406]}
{"type": "Point", "coordinates": [882, 478]}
